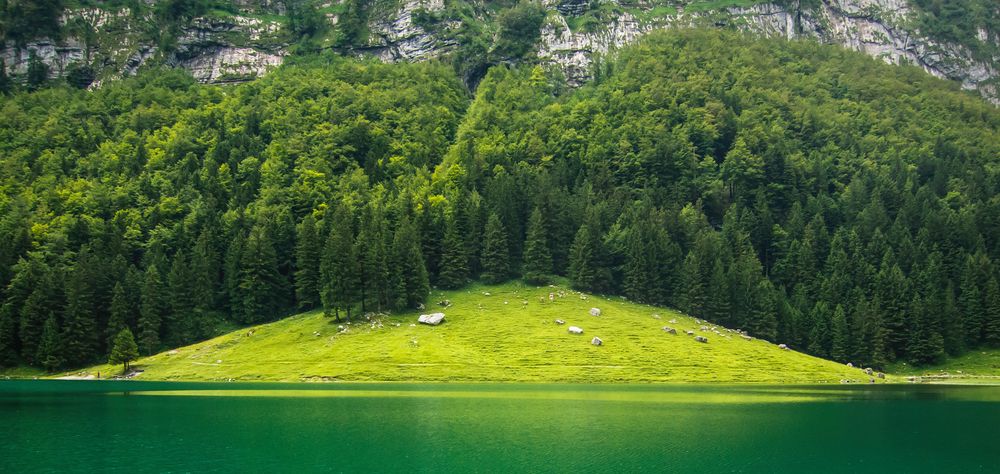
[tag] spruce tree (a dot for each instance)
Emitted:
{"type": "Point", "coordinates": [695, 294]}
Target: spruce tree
{"type": "Point", "coordinates": [259, 281]}
{"type": "Point", "coordinates": [180, 323]}
{"type": "Point", "coordinates": [308, 254]}
{"type": "Point", "coordinates": [42, 303]}
{"type": "Point", "coordinates": [81, 335]}
{"type": "Point", "coordinates": [373, 251]}
{"type": "Point", "coordinates": [840, 333]}
{"type": "Point", "coordinates": [582, 274]}
{"type": "Point", "coordinates": [340, 269]}
{"type": "Point", "coordinates": [819, 335]}
{"type": "Point", "coordinates": [205, 270]}
{"type": "Point", "coordinates": [410, 284]}
{"type": "Point", "coordinates": [764, 313]}
{"type": "Point", "coordinates": [4, 78]}
{"type": "Point", "coordinates": [454, 270]}
{"type": "Point", "coordinates": [124, 350]}
{"type": "Point", "coordinates": [120, 313]}
{"type": "Point", "coordinates": [50, 349]}
{"type": "Point", "coordinates": [970, 303]}
{"type": "Point", "coordinates": [151, 310]}
{"type": "Point", "coordinates": [694, 295]}
{"type": "Point", "coordinates": [991, 319]}
{"type": "Point", "coordinates": [496, 253]}
{"type": "Point", "coordinates": [8, 336]}
{"type": "Point", "coordinates": [717, 306]}
{"type": "Point", "coordinates": [537, 259]}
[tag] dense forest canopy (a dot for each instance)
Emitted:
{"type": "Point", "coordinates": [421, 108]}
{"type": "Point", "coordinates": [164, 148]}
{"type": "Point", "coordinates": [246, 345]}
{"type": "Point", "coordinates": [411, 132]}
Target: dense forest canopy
{"type": "Point", "coordinates": [810, 195]}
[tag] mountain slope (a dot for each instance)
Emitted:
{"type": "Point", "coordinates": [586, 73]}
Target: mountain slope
{"type": "Point", "coordinates": [223, 41]}
{"type": "Point", "coordinates": [494, 333]}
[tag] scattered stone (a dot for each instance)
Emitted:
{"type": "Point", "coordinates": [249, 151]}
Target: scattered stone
{"type": "Point", "coordinates": [560, 322]}
{"type": "Point", "coordinates": [317, 334]}
{"type": "Point", "coordinates": [880, 375]}
{"type": "Point", "coordinates": [656, 316]}
{"type": "Point", "coordinates": [595, 312]}
{"type": "Point", "coordinates": [432, 319]}
{"type": "Point", "coordinates": [704, 328]}
{"type": "Point", "coordinates": [670, 330]}
{"type": "Point", "coordinates": [340, 328]}
{"type": "Point", "coordinates": [420, 306]}
{"type": "Point", "coordinates": [783, 347]}
{"type": "Point", "coordinates": [701, 339]}
{"type": "Point", "coordinates": [218, 361]}
{"type": "Point", "coordinates": [413, 325]}
{"type": "Point", "coordinates": [575, 330]}
{"type": "Point", "coordinates": [689, 333]}
{"type": "Point", "coordinates": [672, 321]}
{"type": "Point", "coordinates": [744, 336]}
{"type": "Point", "coordinates": [868, 370]}
{"type": "Point", "coordinates": [172, 353]}
{"type": "Point", "coordinates": [850, 365]}
{"type": "Point", "coordinates": [504, 302]}
{"type": "Point", "coordinates": [871, 380]}
{"type": "Point", "coordinates": [486, 293]}
{"type": "Point", "coordinates": [445, 303]}
{"type": "Point", "coordinates": [596, 341]}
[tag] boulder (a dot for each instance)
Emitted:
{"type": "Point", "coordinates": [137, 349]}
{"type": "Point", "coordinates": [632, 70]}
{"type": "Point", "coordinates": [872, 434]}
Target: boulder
{"type": "Point", "coordinates": [868, 370]}
{"type": "Point", "coordinates": [783, 346]}
{"type": "Point", "coordinates": [850, 365]}
{"type": "Point", "coordinates": [560, 322]}
{"type": "Point", "coordinates": [744, 336]}
{"type": "Point", "coordinates": [701, 339]}
{"type": "Point", "coordinates": [575, 330]}
{"type": "Point", "coordinates": [880, 375]}
{"type": "Point", "coordinates": [595, 312]}
{"type": "Point", "coordinates": [172, 353]}
{"type": "Point", "coordinates": [596, 341]}
{"type": "Point", "coordinates": [445, 303]}
{"type": "Point", "coordinates": [432, 319]}
{"type": "Point", "coordinates": [689, 333]}
{"type": "Point", "coordinates": [670, 330]}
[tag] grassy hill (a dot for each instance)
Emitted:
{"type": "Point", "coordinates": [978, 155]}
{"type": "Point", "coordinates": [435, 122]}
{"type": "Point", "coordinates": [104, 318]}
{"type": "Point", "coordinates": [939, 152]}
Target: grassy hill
{"type": "Point", "coordinates": [493, 333]}
{"type": "Point", "coordinates": [981, 366]}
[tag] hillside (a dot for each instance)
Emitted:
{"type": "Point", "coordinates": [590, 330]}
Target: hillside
{"type": "Point", "coordinates": [493, 333]}
{"type": "Point", "coordinates": [230, 41]}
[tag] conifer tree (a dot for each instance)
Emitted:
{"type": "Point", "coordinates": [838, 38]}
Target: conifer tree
{"type": "Point", "coordinates": [991, 323]}
{"type": "Point", "coordinates": [8, 337]}
{"type": "Point", "coordinates": [151, 310]}
{"type": "Point", "coordinates": [340, 268]}
{"type": "Point", "coordinates": [119, 313]}
{"type": "Point", "coordinates": [180, 324]}
{"type": "Point", "coordinates": [764, 313]}
{"type": "Point", "coordinates": [717, 307]}
{"type": "Point", "coordinates": [537, 259]}
{"type": "Point", "coordinates": [819, 335]}
{"type": "Point", "coordinates": [410, 284]}
{"type": "Point", "coordinates": [41, 303]}
{"type": "Point", "coordinates": [694, 296]}
{"type": "Point", "coordinates": [373, 250]}
{"type": "Point", "coordinates": [260, 281]}
{"type": "Point", "coordinates": [124, 350]}
{"type": "Point", "coordinates": [582, 273]}
{"type": "Point", "coordinates": [496, 253]}
{"type": "Point", "coordinates": [205, 272]}
{"type": "Point", "coordinates": [454, 264]}
{"type": "Point", "coordinates": [840, 333]}
{"type": "Point", "coordinates": [50, 349]}
{"type": "Point", "coordinates": [81, 336]}
{"type": "Point", "coordinates": [308, 254]}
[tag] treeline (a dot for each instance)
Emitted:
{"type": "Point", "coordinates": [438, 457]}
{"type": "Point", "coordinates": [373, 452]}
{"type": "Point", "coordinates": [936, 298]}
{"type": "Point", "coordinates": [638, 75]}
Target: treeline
{"type": "Point", "coordinates": [809, 195]}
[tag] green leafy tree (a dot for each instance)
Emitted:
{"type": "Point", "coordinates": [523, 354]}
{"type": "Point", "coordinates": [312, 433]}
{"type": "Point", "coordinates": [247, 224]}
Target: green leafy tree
{"type": "Point", "coordinates": [124, 350]}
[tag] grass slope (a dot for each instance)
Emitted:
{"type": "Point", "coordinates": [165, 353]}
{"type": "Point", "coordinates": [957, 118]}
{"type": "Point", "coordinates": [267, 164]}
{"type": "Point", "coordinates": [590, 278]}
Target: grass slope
{"type": "Point", "coordinates": [493, 333]}
{"type": "Point", "coordinates": [981, 366]}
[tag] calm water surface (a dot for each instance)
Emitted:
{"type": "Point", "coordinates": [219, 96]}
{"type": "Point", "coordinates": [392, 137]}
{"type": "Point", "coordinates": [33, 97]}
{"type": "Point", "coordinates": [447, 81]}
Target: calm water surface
{"type": "Point", "coordinates": [87, 426]}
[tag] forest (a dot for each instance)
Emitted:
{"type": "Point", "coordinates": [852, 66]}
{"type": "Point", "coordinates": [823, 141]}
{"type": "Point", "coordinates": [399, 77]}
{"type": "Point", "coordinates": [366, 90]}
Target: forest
{"type": "Point", "coordinates": [809, 195]}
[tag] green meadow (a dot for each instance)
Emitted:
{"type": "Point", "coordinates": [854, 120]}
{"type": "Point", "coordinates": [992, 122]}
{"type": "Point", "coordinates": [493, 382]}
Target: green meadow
{"type": "Point", "coordinates": [493, 333]}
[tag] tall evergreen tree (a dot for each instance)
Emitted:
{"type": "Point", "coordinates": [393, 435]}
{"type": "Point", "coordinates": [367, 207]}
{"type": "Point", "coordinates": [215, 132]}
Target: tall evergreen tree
{"type": "Point", "coordinates": [537, 258]}
{"type": "Point", "coordinates": [582, 272]}
{"type": "Point", "coordinates": [308, 254]}
{"type": "Point", "coordinates": [50, 349]}
{"type": "Point", "coordinates": [124, 350]}
{"type": "Point", "coordinates": [840, 334]}
{"type": "Point", "coordinates": [991, 323]}
{"type": "Point", "coordinates": [259, 279]}
{"type": "Point", "coordinates": [81, 335]}
{"type": "Point", "coordinates": [120, 314]}
{"type": "Point", "coordinates": [454, 270]}
{"type": "Point", "coordinates": [340, 269]}
{"type": "Point", "coordinates": [152, 308]}
{"type": "Point", "coordinates": [410, 284]}
{"type": "Point", "coordinates": [205, 269]}
{"type": "Point", "coordinates": [180, 324]}
{"type": "Point", "coordinates": [496, 253]}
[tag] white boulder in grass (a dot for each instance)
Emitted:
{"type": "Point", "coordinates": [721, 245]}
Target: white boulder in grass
{"type": "Point", "coordinates": [433, 319]}
{"type": "Point", "coordinates": [575, 330]}
{"type": "Point", "coordinates": [595, 311]}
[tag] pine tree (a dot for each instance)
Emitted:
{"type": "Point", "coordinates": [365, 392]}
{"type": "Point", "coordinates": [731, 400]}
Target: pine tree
{"type": "Point", "coordinates": [8, 337]}
{"type": "Point", "coordinates": [4, 78]}
{"type": "Point", "coordinates": [373, 250]}
{"type": "Point", "coordinates": [259, 279]}
{"type": "Point", "coordinates": [717, 306]}
{"type": "Point", "coordinates": [124, 350]}
{"type": "Point", "coordinates": [205, 271]}
{"type": "Point", "coordinates": [340, 269]}
{"type": "Point", "coordinates": [991, 323]}
{"type": "Point", "coordinates": [496, 253]}
{"type": "Point", "coordinates": [41, 304]}
{"type": "Point", "coordinates": [841, 338]}
{"type": "Point", "coordinates": [582, 273]}
{"type": "Point", "coordinates": [537, 259]}
{"type": "Point", "coordinates": [180, 325]}
{"type": "Point", "coordinates": [764, 313]}
{"type": "Point", "coordinates": [50, 349]}
{"type": "Point", "coordinates": [410, 284]}
{"type": "Point", "coordinates": [81, 335]}
{"type": "Point", "coordinates": [151, 310]}
{"type": "Point", "coordinates": [819, 335]}
{"type": "Point", "coordinates": [970, 303]}
{"type": "Point", "coordinates": [454, 264]}
{"type": "Point", "coordinates": [120, 313]}
{"type": "Point", "coordinates": [694, 296]}
{"type": "Point", "coordinates": [308, 254]}
{"type": "Point", "coordinates": [231, 271]}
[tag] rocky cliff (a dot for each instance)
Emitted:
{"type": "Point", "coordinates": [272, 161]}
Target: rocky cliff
{"type": "Point", "coordinates": [242, 45]}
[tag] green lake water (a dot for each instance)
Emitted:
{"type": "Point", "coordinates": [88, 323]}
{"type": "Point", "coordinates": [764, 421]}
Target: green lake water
{"type": "Point", "coordinates": [93, 426]}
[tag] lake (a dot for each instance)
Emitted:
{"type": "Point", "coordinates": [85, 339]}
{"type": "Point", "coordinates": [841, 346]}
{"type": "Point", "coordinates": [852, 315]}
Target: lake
{"type": "Point", "coordinates": [131, 426]}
